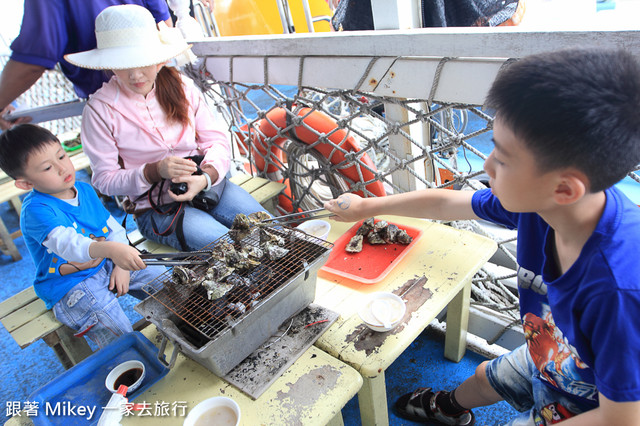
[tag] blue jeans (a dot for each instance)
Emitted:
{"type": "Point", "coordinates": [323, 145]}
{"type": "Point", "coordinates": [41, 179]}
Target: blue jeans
{"type": "Point", "coordinates": [199, 227]}
{"type": "Point", "coordinates": [93, 311]}
{"type": "Point", "coordinates": [515, 377]}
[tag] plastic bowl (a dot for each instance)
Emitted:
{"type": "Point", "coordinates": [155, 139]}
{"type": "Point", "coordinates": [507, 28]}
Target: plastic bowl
{"type": "Point", "coordinates": [379, 306]}
{"type": "Point", "coordinates": [129, 373]}
{"type": "Point", "coordinates": [218, 410]}
{"type": "Point", "coordinates": [316, 228]}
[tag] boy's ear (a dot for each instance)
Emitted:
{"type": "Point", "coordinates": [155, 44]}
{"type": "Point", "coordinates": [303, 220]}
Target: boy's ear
{"type": "Point", "coordinates": [571, 187]}
{"type": "Point", "coordinates": [23, 184]}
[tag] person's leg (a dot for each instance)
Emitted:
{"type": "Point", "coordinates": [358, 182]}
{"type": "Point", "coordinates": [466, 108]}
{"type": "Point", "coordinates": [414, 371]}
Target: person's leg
{"type": "Point", "coordinates": [476, 391]}
{"type": "Point", "coordinates": [200, 228]}
{"type": "Point", "coordinates": [505, 378]}
{"type": "Point", "coordinates": [197, 227]}
{"type": "Point", "coordinates": [92, 310]}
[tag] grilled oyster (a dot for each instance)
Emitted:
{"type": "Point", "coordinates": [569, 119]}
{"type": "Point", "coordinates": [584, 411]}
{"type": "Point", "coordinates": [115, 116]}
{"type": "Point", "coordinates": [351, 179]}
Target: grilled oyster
{"type": "Point", "coordinates": [390, 233]}
{"type": "Point", "coordinates": [403, 237]}
{"type": "Point", "coordinates": [270, 237]}
{"type": "Point", "coordinates": [253, 252]}
{"type": "Point", "coordinates": [218, 272]}
{"type": "Point", "coordinates": [374, 238]}
{"type": "Point", "coordinates": [355, 244]}
{"type": "Point", "coordinates": [257, 217]}
{"type": "Point", "coordinates": [241, 227]}
{"type": "Point", "coordinates": [275, 252]}
{"type": "Point", "coordinates": [380, 232]}
{"type": "Point", "coordinates": [215, 289]}
{"type": "Point", "coordinates": [185, 276]}
{"type": "Point", "coordinates": [366, 227]}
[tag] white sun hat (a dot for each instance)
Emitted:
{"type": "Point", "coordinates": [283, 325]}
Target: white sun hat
{"type": "Point", "coordinates": [127, 37]}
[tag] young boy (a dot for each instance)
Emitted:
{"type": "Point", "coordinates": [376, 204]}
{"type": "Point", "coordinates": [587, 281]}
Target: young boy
{"type": "Point", "coordinates": [80, 250]}
{"type": "Point", "coordinates": [566, 128]}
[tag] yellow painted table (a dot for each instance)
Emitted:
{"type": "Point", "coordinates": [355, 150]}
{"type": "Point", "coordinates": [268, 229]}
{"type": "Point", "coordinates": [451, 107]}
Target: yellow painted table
{"type": "Point", "coordinates": [311, 392]}
{"type": "Point", "coordinates": [435, 274]}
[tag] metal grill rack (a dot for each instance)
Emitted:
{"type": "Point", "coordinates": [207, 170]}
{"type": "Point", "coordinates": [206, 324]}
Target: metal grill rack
{"type": "Point", "coordinates": [210, 317]}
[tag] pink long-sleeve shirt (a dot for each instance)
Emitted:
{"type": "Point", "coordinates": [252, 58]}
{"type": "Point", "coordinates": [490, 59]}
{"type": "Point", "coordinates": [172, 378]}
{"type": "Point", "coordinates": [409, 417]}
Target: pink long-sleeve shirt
{"type": "Point", "coordinates": [122, 131]}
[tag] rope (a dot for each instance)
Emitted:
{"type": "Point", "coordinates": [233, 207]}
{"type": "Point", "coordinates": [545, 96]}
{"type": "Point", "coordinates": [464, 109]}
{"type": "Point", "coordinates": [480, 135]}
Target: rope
{"type": "Point", "coordinates": [366, 72]}
{"type": "Point", "coordinates": [436, 78]}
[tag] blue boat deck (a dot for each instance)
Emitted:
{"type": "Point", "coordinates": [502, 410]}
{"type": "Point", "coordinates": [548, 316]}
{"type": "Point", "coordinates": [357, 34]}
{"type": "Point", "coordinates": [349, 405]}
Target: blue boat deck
{"type": "Point", "coordinates": [24, 371]}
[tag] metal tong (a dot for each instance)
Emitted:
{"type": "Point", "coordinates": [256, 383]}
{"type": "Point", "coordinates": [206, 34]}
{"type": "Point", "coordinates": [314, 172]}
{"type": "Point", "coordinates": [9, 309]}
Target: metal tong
{"type": "Point", "coordinates": [296, 217]}
{"type": "Point", "coordinates": [173, 259]}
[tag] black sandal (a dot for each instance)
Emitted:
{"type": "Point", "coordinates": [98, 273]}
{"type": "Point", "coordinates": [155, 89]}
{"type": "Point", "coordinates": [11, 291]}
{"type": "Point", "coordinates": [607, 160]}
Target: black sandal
{"type": "Point", "coordinates": [420, 406]}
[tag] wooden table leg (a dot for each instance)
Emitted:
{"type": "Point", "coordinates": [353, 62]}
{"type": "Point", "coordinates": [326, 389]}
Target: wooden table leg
{"type": "Point", "coordinates": [372, 399]}
{"type": "Point", "coordinates": [455, 343]}
{"type": "Point", "coordinates": [69, 349]}
{"type": "Point", "coordinates": [7, 241]}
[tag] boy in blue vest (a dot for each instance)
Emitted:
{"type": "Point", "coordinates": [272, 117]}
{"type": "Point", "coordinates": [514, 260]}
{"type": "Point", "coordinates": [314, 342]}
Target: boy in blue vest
{"type": "Point", "coordinates": [81, 252]}
{"type": "Point", "coordinates": [566, 129]}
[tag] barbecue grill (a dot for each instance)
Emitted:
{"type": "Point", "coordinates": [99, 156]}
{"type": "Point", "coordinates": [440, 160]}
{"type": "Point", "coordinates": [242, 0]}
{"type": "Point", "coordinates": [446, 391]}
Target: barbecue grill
{"type": "Point", "coordinates": [220, 333]}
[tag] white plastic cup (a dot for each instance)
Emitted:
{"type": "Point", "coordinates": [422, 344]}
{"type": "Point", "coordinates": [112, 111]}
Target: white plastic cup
{"type": "Point", "coordinates": [219, 411]}
{"type": "Point", "coordinates": [316, 228]}
{"type": "Point", "coordinates": [125, 372]}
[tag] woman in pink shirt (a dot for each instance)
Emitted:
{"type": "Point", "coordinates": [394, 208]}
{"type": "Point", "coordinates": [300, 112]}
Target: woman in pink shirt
{"type": "Point", "coordinates": [137, 129]}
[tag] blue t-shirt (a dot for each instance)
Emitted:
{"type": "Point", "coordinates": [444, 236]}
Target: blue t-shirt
{"type": "Point", "coordinates": [52, 28]}
{"type": "Point", "coordinates": [41, 213]}
{"type": "Point", "coordinates": [580, 327]}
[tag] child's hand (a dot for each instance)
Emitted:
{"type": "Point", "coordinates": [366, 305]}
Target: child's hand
{"type": "Point", "coordinates": [127, 257]}
{"type": "Point", "coordinates": [123, 255]}
{"type": "Point", "coordinates": [172, 167]}
{"type": "Point", "coordinates": [347, 208]}
{"type": "Point", "coordinates": [120, 281]}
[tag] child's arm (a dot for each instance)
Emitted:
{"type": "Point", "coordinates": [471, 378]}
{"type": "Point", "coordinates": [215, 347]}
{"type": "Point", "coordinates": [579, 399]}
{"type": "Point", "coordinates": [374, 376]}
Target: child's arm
{"type": "Point", "coordinates": [439, 204]}
{"type": "Point", "coordinates": [123, 255]}
{"type": "Point", "coordinates": [118, 233]}
{"type": "Point", "coordinates": [67, 243]}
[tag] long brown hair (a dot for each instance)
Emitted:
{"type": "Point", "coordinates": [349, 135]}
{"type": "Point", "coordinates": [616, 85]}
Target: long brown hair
{"type": "Point", "coordinates": [171, 95]}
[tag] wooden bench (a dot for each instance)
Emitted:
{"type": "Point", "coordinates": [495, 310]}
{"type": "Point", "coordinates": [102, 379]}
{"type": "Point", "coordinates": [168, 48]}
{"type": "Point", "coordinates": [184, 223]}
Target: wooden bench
{"type": "Point", "coordinates": [9, 192]}
{"type": "Point", "coordinates": [26, 318]}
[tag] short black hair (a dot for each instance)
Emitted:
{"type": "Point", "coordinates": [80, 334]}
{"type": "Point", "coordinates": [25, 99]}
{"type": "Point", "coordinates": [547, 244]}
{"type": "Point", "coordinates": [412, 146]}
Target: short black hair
{"type": "Point", "coordinates": [17, 144]}
{"type": "Point", "coordinates": [574, 108]}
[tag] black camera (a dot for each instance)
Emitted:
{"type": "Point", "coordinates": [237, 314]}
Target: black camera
{"type": "Point", "coordinates": [204, 200]}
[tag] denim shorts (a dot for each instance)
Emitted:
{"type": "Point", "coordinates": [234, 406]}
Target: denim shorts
{"type": "Point", "coordinates": [93, 311]}
{"type": "Point", "coordinates": [201, 228]}
{"type": "Point", "coordinates": [515, 377]}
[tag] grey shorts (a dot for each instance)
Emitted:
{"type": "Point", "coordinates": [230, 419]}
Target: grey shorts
{"type": "Point", "coordinates": [515, 377]}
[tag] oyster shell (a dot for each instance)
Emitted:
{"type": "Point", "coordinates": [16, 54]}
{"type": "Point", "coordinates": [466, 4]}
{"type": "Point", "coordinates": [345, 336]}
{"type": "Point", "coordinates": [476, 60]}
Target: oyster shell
{"type": "Point", "coordinates": [275, 252]}
{"type": "Point", "coordinates": [366, 226]}
{"type": "Point", "coordinates": [270, 237]}
{"type": "Point", "coordinates": [374, 238]}
{"type": "Point", "coordinates": [403, 237]}
{"type": "Point", "coordinates": [218, 272]}
{"type": "Point", "coordinates": [257, 217]}
{"type": "Point", "coordinates": [216, 290]}
{"type": "Point", "coordinates": [185, 276]}
{"type": "Point", "coordinates": [355, 244]}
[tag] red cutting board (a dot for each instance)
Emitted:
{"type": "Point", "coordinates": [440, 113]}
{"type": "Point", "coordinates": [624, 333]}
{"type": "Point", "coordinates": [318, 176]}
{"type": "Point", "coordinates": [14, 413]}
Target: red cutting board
{"type": "Point", "coordinates": [372, 264]}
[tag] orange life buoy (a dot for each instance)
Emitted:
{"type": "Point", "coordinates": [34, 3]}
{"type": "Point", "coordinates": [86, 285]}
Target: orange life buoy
{"type": "Point", "coordinates": [270, 127]}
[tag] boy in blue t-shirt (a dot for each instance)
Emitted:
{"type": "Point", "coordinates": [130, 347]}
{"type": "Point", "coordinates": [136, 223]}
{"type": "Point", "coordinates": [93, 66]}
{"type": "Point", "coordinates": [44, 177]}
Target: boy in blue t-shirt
{"type": "Point", "coordinates": [566, 129]}
{"type": "Point", "coordinates": [81, 252]}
